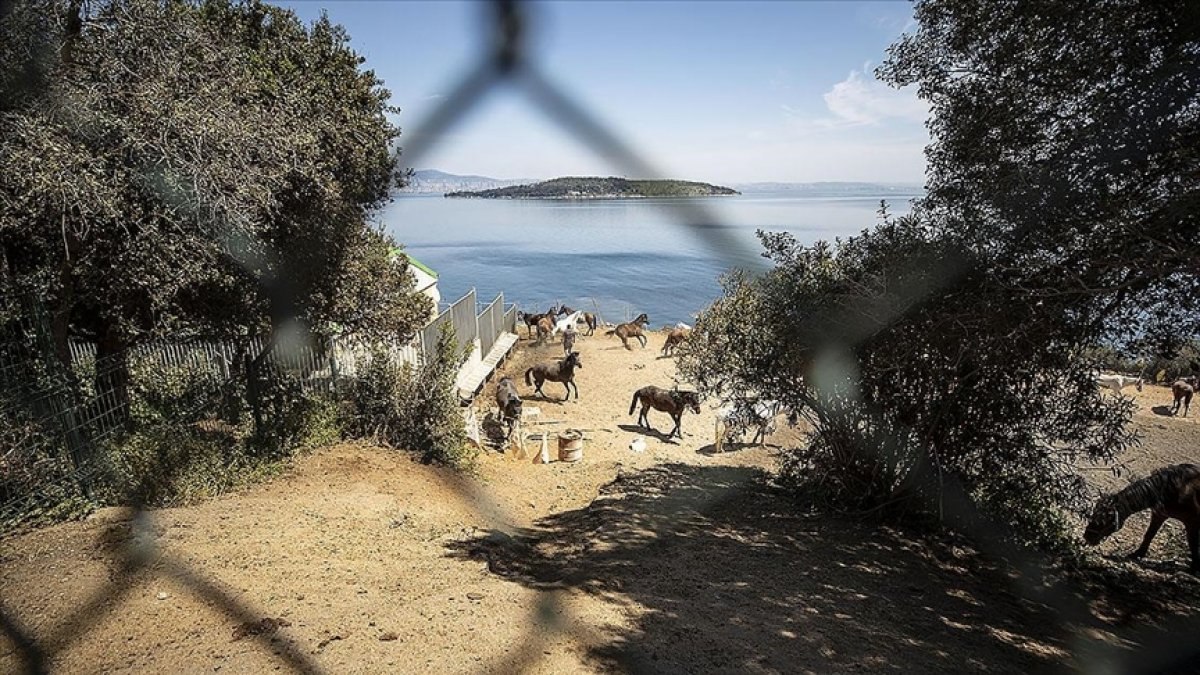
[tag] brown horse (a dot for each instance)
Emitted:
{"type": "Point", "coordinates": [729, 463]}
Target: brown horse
{"type": "Point", "coordinates": [1183, 390]}
{"type": "Point", "coordinates": [509, 403]}
{"type": "Point", "coordinates": [674, 339]}
{"type": "Point", "coordinates": [545, 326]}
{"type": "Point", "coordinates": [559, 371]}
{"type": "Point", "coordinates": [631, 329]}
{"type": "Point", "coordinates": [671, 401]}
{"type": "Point", "coordinates": [1170, 492]}
{"type": "Point", "coordinates": [531, 320]}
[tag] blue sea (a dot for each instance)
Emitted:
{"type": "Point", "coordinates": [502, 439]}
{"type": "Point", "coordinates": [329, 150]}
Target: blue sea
{"type": "Point", "coordinates": [620, 257]}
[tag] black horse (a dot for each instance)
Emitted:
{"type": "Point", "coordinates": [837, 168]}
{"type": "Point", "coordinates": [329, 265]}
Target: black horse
{"type": "Point", "coordinates": [558, 371]}
{"type": "Point", "coordinates": [670, 401]}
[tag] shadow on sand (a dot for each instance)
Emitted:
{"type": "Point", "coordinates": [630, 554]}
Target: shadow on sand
{"type": "Point", "coordinates": [727, 576]}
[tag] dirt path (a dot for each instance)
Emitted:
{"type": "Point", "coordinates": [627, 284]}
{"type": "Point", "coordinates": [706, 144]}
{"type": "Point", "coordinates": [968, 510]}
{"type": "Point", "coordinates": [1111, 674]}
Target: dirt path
{"type": "Point", "coordinates": [671, 560]}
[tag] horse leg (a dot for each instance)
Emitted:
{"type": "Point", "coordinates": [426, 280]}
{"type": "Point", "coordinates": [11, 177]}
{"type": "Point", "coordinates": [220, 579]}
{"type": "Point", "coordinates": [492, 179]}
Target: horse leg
{"type": "Point", "coordinates": [1156, 521]}
{"type": "Point", "coordinates": [642, 339]}
{"type": "Point", "coordinates": [567, 384]}
{"type": "Point", "coordinates": [678, 417]}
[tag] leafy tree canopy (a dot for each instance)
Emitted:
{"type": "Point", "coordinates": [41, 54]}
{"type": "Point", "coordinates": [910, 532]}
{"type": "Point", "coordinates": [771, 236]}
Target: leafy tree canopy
{"type": "Point", "coordinates": [942, 353]}
{"type": "Point", "coordinates": [194, 166]}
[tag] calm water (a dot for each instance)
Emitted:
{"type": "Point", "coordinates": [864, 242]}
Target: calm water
{"type": "Point", "coordinates": [621, 257]}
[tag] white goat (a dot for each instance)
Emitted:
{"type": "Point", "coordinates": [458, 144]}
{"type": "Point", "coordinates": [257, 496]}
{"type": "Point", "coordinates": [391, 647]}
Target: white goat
{"type": "Point", "coordinates": [1116, 382]}
{"type": "Point", "coordinates": [759, 413]}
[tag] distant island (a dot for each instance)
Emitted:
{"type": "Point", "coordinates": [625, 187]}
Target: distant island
{"type": "Point", "coordinates": [599, 188]}
{"type": "Point", "coordinates": [432, 181]}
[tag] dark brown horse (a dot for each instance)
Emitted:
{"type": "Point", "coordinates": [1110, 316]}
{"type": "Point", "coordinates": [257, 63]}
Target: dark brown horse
{"type": "Point", "coordinates": [531, 320]}
{"type": "Point", "coordinates": [509, 403]}
{"type": "Point", "coordinates": [1183, 390]}
{"type": "Point", "coordinates": [558, 371]}
{"type": "Point", "coordinates": [631, 329]}
{"type": "Point", "coordinates": [1170, 492]}
{"type": "Point", "coordinates": [671, 401]}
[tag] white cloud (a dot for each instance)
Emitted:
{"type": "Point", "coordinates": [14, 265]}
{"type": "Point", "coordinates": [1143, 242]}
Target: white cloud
{"type": "Point", "coordinates": [861, 99]}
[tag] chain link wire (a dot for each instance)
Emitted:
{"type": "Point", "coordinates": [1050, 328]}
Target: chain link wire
{"type": "Point", "coordinates": [507, 64]}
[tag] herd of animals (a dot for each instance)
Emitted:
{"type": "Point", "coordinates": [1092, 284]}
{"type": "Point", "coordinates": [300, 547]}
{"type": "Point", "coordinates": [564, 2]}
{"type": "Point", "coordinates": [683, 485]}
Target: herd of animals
{"type": "Point", "coordinates": [1172, 492]}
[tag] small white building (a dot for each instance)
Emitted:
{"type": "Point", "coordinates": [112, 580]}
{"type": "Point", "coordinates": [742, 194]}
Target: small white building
{"type": "Point", "coordinates": [426, 280]}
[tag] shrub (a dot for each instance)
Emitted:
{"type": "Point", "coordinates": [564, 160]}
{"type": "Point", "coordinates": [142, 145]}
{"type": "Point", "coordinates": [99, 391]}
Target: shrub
{"type": "Point", "coordinates": [414, 408]}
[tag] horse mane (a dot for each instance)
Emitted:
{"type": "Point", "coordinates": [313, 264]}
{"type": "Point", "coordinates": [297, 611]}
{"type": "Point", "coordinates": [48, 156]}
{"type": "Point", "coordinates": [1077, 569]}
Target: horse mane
{"type": "Point", "coordinates": [1164, 485]}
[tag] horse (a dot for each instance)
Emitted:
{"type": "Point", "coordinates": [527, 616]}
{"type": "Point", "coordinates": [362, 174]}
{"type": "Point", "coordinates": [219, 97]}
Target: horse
{"type": "Point", "coordinates": [1170, 492]}
{"type": "Point", "coordinates": [631, 329]}
{"type": "Point", "coordinates": [509, 402]}
{"type": "Point", "coordinates": [562, 324]}
{"type": "Point", "coordinates": [588, 318]}
{"type": "Point", "coordinates": [674, 339]}
{"type": "Point", "coordinates": [1183, 390]}
{"type": "Point", "coordinates": [544, 327]}
{"type": "Point", "coordinates": [742, 413]}
{"type": "Point", "coordinates": [531, 320]}
{"type": "Point", "coordinates": [671, 401]}
{"type": "Point", "coordinates": [559, 371]}
{"type": "Point", "coordinates": [1117, 382]}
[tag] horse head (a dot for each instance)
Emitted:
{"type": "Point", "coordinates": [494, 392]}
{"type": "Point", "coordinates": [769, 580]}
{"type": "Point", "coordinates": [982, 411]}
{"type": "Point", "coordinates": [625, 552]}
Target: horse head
{"type": "Point", "coordinates": [1105, 520]}
{"type": "Point", "coordinates": [573, 360]}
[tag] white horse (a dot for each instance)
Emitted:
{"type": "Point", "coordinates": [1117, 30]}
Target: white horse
{"type": "Point", "coordinates": [761, 415]}
{"type": "Point", "coordinates": [565, 322]}
{"type": "Point", "coordinates": [1116, 382]}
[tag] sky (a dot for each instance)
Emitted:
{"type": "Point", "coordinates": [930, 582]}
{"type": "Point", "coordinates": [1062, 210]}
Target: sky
{"type": "Point", "coordinates": [711, 91]}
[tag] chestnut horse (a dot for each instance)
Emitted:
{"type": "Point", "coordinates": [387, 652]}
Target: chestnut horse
{"type": "Point", "coordinates": [588, 318]}
{"type": "Point", "coordinates": [631, 329]}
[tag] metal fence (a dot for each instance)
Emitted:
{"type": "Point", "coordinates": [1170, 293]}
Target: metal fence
{"type": "Point", "coordinates": [506, 64]}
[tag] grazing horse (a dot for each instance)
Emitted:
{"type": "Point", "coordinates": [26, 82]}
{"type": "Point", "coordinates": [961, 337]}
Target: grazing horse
{"type": "Point", "coordinates": [1183, 390]}
{"type": "Point", "coordinates": [1170, 492]}
{"type": "Point", "coordinates": [737, 415]}
{"type": "Point", "coordinates": [671, 401]}
{"type": "Point", "coordinates": [674, 339]}
{"type": "Point", "coordinates": [631, 329]}
{"type": "Point", "coordinates": [509, 402]}
{"type": "Point", "coordinates": [559, 371]}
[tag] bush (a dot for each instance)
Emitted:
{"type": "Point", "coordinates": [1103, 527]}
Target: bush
{"type": "Point", "coordinates": [414, 408]}
{"type": "Point", "coordinates": [918, 374]}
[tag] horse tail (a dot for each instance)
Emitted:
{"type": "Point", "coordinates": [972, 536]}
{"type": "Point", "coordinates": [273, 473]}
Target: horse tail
{"type": "Point", "coordinates": [633, 403]}
{"type": "Point", "coordinates": [529, 377]}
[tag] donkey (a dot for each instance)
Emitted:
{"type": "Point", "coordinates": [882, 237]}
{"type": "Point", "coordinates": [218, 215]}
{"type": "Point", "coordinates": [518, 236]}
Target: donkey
{"type": "Point", "coordinates": [1183, 390]}
{"type": "Point", "coordinates": [674, 339]}
{"type": "Point", "coordinates": [509, 402]}
{"type": "Point", "coordinates": [671, 401]}
{"type": "Point", "coordinates": [1170, 492]}
{"type": "Point", "coordinates": [558, 371]}
{"type": "Point", "coordinates": [631, 329]}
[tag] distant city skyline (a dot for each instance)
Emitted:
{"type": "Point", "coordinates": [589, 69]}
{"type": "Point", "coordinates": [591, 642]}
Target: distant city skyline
{"type": "Point", "coordinates": [716, 92]}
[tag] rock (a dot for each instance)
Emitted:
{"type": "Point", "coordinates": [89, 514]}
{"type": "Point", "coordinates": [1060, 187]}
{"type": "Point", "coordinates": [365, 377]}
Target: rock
{"type": "Point", "coordinates": [388, 637]}
{"type": "Point", "coordinates": [475, 596]}
{"type": "Point", "coordinates": [162, 595]}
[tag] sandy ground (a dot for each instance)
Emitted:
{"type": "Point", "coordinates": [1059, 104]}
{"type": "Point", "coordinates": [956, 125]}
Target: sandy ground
{"type": "Point", "coordinates": [671, 560]}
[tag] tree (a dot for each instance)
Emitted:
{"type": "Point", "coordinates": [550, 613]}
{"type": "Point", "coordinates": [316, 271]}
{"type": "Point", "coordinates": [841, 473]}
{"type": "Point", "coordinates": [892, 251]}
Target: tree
{"type": "Point", "coordinates": [941, 353]}
{"type": "Point", "coordinates": [202, 167]}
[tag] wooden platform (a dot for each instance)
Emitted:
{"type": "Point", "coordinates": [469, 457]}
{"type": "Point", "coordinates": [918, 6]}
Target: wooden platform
{"type": "Point", "coordinates": [472, 378]}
